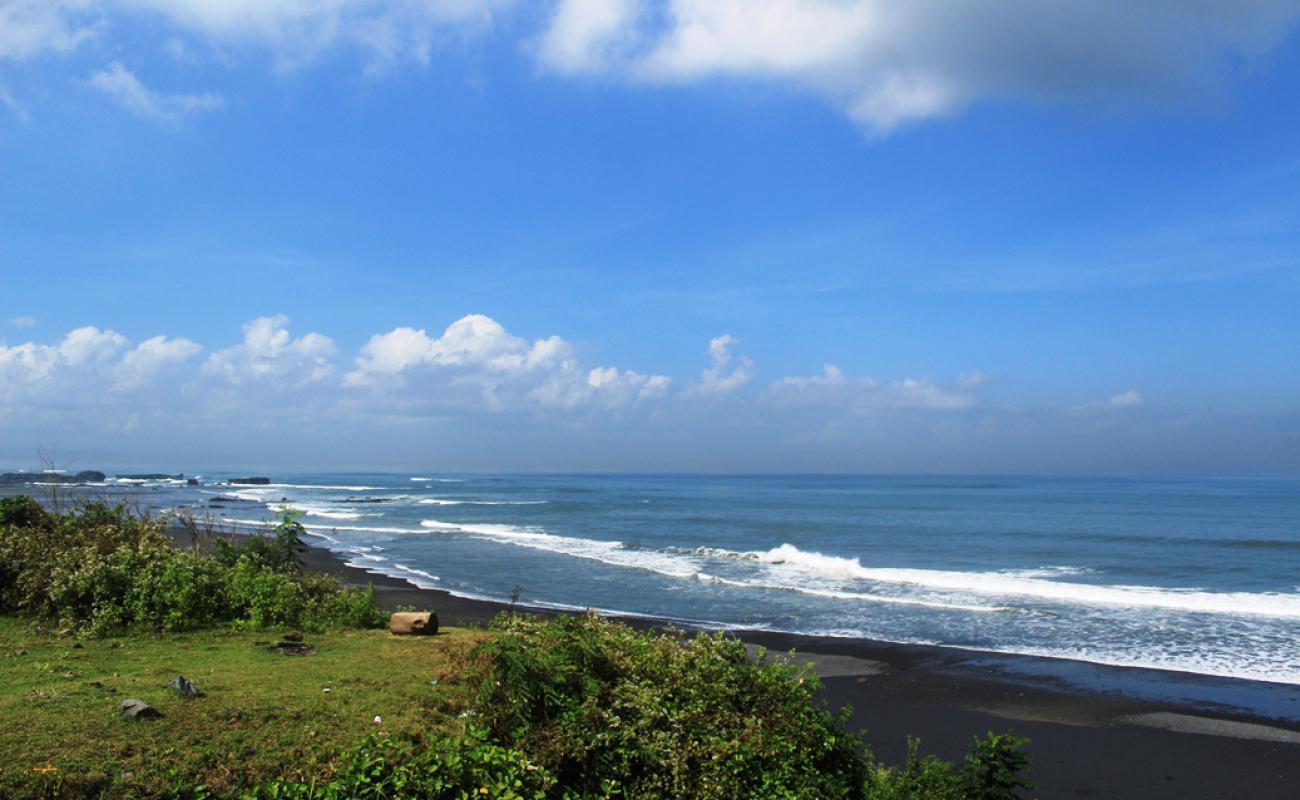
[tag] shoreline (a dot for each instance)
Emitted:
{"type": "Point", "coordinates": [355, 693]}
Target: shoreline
{"type": "Point", "coordinates": [1095, 730]}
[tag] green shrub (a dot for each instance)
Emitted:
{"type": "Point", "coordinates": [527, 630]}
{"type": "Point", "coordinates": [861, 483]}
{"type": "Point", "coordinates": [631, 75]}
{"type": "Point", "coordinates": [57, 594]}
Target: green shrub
{"type": "Point", "coordinates": [280, 552]}
{"type": "Point", "coordinates": [101, 569]}
{"type": "Point", "coordinates": [445, 769]}
{"type": "Point", "coordinates": [994, 766]}
{"type": "Point", "coordinates": [614, 712]}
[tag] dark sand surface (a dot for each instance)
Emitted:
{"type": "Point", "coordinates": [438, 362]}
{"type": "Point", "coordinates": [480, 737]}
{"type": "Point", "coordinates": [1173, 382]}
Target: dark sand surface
{"type": "Point", "coordinates": [1096, 731]}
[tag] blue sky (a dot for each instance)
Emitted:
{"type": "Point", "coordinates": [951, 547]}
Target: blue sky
{"type": "Point", "coordinates": [420, 233]}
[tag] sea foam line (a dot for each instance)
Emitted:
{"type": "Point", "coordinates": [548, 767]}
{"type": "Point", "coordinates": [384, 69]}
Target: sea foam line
{"type": "Point", "coordinates": [607, 552]}
{"type": "Point", "coordinates": [1271, 604]}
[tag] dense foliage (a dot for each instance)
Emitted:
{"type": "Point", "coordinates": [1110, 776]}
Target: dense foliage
{"type": "Point", "coordinates": [102, 568]}
{"type": "Point", "coordinates": [581, 707]}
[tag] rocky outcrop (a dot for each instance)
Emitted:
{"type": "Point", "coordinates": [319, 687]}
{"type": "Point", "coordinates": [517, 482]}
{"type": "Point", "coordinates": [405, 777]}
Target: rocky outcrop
{"type": "Point", "coordinates": [249, 481]}
{"type": "Point", "coordinates": [28, 478]}
{"type": "Point", "coordinates": [152, 476]}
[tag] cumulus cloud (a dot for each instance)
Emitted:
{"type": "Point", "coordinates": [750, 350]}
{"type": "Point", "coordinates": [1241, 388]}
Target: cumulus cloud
{"type": "Point", "coordinates": [270, 356]}
{"type": "Point", "coordinates": [85, 364]}
{"type": "Point", "coordinates": [142, 364]}
{"type": "Point", "coordinates": [125, 88]}
{"type": "Point", "coordinates": [834, 390]}
{"type": "Point", "coordinates": [725, 373]}
{"type": "Point", "coordinates": [887, 63]}
{"type": "Point", "coordinates": [476, 361]}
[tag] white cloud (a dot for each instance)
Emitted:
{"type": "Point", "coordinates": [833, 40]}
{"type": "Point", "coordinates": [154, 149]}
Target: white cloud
{"type": "Point", "coordinates": [90, 345]}
{"type": "Point", "coordinates": [833, 390]}
{"type": "Point", "coordinates": [296, 31]}
{"type": "Point", "coordinates": [621, 388]}
{"type": "Point", "coordinates": [886, 63]}
{"type": "Point", "coordinates": [973, 380]}
{"type": "Point", "coordinates": [121, 84]}
{"type": "Point", "coordinates": [1129, 399]}
{"type": "Point", "coordinates": [23, 322]}
{"type": "Point", "coordinates": [7, 100]}
{"type": "Point", "coordinates": [31, 27]}
{"type": "Point", "coordinates": [724, 374]}
{"type": "Point", "coordinates": [585, 35]}
{"type": "Point", "coordinates": [84, 365]}
{"type": "Point", "coordinates": [269, 355]}
{"type": "Point", "coordinates": [142, 364]}
{"type": "Point", "coordinates": [476, 362]}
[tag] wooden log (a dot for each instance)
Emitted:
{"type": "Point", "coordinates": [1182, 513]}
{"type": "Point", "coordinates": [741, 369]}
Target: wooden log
{"type": "Point", "coordinates": [413, 623]}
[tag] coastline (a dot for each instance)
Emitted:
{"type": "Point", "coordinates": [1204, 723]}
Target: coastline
{"type": "Point", "coordinates": [1096, 730]}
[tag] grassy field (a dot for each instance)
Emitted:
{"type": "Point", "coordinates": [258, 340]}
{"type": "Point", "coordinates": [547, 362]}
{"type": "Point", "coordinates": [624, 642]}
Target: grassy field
{"type": "Point", "coordinates": [264, 714]}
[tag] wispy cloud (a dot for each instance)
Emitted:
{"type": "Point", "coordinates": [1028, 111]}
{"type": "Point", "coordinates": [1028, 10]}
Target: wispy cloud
{"type": "Point", "coordinates": [23, 322]}
{"type": "Point", "coordinates": [834, 390]}
{"type": "Point", "coordinates": [125, 88]}
{"type": "Point", "coordinates": [7, 100]}
{"type": "Point", "coordinates": [31, 27]}
{"type": "Point", "coordinates": [1124, 400]}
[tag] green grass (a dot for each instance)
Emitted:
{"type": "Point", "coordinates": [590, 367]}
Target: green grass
{"type": "Point", "coordinates": [264, 715]}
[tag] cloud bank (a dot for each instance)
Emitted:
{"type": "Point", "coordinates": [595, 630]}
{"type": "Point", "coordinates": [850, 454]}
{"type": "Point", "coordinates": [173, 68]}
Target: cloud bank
{"type": "Point", "coordinates": [474, 395]}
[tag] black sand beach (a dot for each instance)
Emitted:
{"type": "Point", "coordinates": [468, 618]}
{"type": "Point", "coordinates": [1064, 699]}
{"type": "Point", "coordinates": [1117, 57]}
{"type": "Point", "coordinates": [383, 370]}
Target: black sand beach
{"type": "Point", "coordinates": [1096, 731]}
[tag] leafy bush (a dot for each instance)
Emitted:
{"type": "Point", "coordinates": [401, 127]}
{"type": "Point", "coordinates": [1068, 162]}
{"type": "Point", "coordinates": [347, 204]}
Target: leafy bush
{"type": "Point", "coordinates": [445, 769]}
{"type": "Point", "coordinates": [102, 568]}
{"type": "Point", "coordinates": [279, 552]}
{"type": "Point", "coordinates": [614, 712]}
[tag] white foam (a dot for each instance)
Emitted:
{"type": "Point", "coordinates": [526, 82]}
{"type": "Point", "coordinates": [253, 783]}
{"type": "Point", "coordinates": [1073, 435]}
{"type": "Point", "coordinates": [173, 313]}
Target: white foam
{"type": "Point", "coordinates": [422, 480]}
{"type": "Point", "coordinates": [325, 512]}
{"type": "Point", "coordinates": [322, 487]}
{"type": "Point", "coordinates": [439, 501]}
{"type": "Point", "coordinates": [1006, 584]}
{"type": "Point", "coordinates": [835, 594]}
{"type": "Point", "coordinates": [315, 528]}
{"type": "Point", "coordinates": [606, 552]}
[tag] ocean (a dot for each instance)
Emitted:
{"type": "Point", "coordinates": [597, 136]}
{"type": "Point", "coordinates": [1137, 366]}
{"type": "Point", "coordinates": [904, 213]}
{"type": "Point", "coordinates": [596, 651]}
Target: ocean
{"type": "Point", "coordinates": [1197, 575]}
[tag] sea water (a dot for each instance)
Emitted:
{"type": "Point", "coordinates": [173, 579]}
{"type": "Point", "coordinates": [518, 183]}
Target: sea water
{"type": "Point", "coordinates": [1191, 574]}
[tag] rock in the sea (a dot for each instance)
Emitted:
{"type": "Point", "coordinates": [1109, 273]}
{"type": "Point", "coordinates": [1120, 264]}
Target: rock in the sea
{"type": "Point", "coordinates": [137, 709]}
{"type": "Point", "coordinates": [256, 481]}
{"type": "Point", "coordinates": [413, 623]}
{"type": "Point", "coordinates": [192, 481]}
{"type": "Point", "coordinates": [152, 476]}
{"type": "Point", "coordinates": [184, 687]}
{"type": "Point", "coordinates": [24, 478]}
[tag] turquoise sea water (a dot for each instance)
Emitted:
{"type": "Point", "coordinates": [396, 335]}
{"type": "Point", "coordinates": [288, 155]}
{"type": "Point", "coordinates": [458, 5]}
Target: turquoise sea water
{"type": "Point", "coordinates": [1193, 574]}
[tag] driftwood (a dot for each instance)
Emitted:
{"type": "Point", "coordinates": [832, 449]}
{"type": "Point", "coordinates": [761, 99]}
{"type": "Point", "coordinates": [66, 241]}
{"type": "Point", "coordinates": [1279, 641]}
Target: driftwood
{"type": "Point", "coordinates": [413, 623]}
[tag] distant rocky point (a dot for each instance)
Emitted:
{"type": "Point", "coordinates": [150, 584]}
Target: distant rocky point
{"type": "Point", "coordinates": [26, 478]}
{"type": "Point", "coordinates": [151, 476]}
{"type": "Point", "coordinates": [250, 481]}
